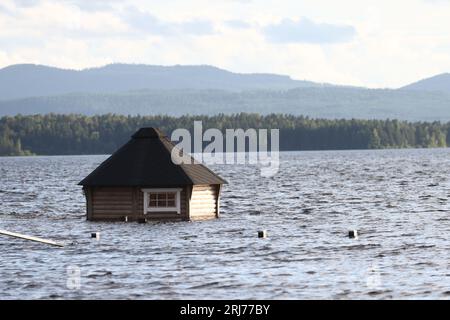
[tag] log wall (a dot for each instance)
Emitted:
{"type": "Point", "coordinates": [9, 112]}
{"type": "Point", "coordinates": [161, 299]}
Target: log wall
{"type": "Point", "coordinates": [204, 202]}
{"type": "Point", "coordinates": [198, 202]}
{"type": "Point", "coordinates": [111, 203]}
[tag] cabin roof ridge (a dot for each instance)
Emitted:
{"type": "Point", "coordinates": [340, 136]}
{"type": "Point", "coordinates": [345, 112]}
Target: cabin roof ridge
{"type": "Point", "coordinates": [148, 132]}
{"type": "Point", "coordinates": [146, 160]}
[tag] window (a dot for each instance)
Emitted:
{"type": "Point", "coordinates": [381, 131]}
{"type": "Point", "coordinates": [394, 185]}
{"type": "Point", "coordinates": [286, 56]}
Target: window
{"type": "Point", "coordinates": [161, 200]}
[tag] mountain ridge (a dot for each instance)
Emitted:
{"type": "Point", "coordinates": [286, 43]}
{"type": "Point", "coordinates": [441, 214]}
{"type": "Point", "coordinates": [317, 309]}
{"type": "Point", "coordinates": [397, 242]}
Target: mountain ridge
{"type": "Point", "coordinates": [30, 80]}
{"type": "Point", "coordinates": [178, 90]}
{"type": "Point", "coordinates": [439, 82]}
{"type": "Point", "coordinates": [326, 102]}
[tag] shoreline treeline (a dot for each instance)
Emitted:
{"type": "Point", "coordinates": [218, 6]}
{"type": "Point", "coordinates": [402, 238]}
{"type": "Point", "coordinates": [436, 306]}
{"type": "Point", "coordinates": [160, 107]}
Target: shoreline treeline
{"type": "Point", "coordinates": [58, 134]}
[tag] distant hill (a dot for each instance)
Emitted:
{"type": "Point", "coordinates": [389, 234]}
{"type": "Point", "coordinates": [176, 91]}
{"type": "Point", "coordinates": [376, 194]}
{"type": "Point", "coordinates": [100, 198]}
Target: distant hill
{"type": "Point", "coordinates": [440, 82]}
{"type": "Point", "coordinates": [27, 80]}
{"type": "Point", "coordinates": [178, 90]}
{"type": "Point", "coordinates": [330, 102]}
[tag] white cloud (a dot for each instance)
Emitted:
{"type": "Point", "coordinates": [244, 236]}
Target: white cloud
{"type": "Point", "coordinates": [26, 3]}
{"type": "Point", "coordinates": [146, 22]}
{"type": "Point", "coordinates": [307, 31]}
{"type": "Point", "coordinates": [88, 5]}
{"type": "Point", "coordinates": [237, 24]}
{"type": "Point", "coordinates": [379, 43]}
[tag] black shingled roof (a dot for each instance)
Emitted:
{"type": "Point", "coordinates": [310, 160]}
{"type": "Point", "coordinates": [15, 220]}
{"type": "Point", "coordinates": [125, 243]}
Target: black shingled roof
{"type": "Point", "coordinates": [146, 161]}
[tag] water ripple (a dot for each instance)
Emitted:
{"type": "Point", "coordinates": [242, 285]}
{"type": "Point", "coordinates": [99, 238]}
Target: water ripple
{"type": "Point", "coordinates": [397, 199]}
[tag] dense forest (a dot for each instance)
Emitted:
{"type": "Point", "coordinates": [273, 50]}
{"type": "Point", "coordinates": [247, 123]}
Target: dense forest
{"type": "Point", "coordinates": [56, 134]}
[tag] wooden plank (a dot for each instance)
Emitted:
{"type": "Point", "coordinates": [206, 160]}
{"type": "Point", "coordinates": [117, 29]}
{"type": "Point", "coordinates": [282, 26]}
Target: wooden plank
{"type": "Point", "coordinates": [124, 192]}
{"type": "Point", "coordinates": [203, 195]}
{"type": "Point", "coordinates": [89, 203]}
{"type": "Point", "coordinates": [112, 207]}
{"type": "Point", "coordinates": [116, 197]}
{"type": "Point", "coordinates": [113, 212]}
{"type": "Point", "coordinates": [111, 216]}
{"type": "Point", "coordinates": [117, 202]}
{"type": "Point", "coordinates": [114, 203]}
{"type": "Point", "coordinates": [211, 206]}
{"type": "Point", "coordinates": [178, 218]}
{"type": "Point", "coordinates": [113, 200]}
{"type": "Point", "coordinates": [203, 204]}
{"type": "Point", "coordinates": [115, 192]}
{"type": "Point", "coordinates": [203, 217]}
{"type": "Point", "coordinates": [113, 189]}
{"type": "Point", "coordinates": [204, 200]}
{"type": "Point", "coordinates": [195, 213]}
{"type": "Point", "coordinates": [31, 238]}
{"type": "Point", "coordinates": [206, 210]}
{"type": "Point", "coordinates": [209, 191]}
{"type": "Point", "coordinates": [163, 216]}
{"type": "Point", "coordinates": [186, 202]}
{"type": "Point", "coordinates": [113, 196]}
{"type": "Point", "coordinates": [107, 218]}
{"type": "Point", "coordinates": [197, 209]}
{"type": "Point", "coordinates": [135, 208]}
{"type": "Point", "coordinates": [120, 193]}
{"type": "Point", "coordinates": [203, 187]}
{"type": "Point", "coordinates": [206, 192]}
{"type": "Point", "coordinates": [218, 187]}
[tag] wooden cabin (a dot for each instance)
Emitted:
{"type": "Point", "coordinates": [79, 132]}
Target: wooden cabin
{"type": "Point", "coordinates": [140, 181]}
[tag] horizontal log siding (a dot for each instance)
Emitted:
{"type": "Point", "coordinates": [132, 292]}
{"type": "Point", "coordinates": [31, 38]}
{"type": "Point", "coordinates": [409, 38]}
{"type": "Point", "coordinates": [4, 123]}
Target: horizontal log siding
{"type": "Point", "coordinates": [203, 202]}
{"type": "Point", "coordinates": [116, 203]}
{"type": "Point", "coordinates": [111, 203]}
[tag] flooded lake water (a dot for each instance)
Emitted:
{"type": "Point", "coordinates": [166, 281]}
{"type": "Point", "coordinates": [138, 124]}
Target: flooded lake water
{"type": "Point", "coordinates": [399, 200]}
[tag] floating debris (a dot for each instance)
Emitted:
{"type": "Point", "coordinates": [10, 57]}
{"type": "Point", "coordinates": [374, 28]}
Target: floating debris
{"type": "Point", "coordinates": [31, 238]}
{"type": "Point", "coordinates": [95, 235]}
{"type": "Point", "coordinates": [353, 234]}
{"type": "Point", "coordinates": [262, 234]}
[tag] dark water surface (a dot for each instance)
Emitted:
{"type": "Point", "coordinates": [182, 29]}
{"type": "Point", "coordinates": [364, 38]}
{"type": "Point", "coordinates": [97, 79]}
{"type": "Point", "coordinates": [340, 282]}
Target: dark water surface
{"type": "Point", "coordinates": [397, 199]}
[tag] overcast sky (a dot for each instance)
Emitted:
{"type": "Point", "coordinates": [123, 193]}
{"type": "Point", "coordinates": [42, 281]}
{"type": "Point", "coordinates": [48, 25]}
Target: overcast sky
{"type": "Point", "coordinates": [379, 43]}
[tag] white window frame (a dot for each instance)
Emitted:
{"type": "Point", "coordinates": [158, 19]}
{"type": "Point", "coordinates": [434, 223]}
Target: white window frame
{"type": "Point", "coordinates": [177, 208]}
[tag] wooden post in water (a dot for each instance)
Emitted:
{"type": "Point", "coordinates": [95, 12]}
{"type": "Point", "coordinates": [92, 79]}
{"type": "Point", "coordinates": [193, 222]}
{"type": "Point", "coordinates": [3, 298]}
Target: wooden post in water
{"type": "Point", "coordinates": [36, 239]}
